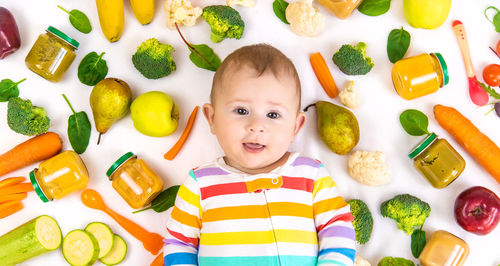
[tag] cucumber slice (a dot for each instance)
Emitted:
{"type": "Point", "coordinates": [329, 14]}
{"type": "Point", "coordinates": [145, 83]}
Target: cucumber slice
{"type": "Point", "coordinates": [104, 236]}
{"type": "Point", "coordinates": [117, 253]}
{"type": "Point", "coordinates": [80, 248]}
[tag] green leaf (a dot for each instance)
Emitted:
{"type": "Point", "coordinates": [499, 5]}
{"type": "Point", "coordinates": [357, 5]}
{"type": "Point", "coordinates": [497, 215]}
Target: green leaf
{"type": "Point", "coordinates": [79, 129]}
{"type": "Point", "coordinates": [79, 20]}
{"type": "Point", "coordinates": [496, 18]}
{"type": "Point", "coordinates": [204, 57]}
{"type": "Point", "coordinates": [397, 44]}
{"type": "Point", "coordinates": [92, 69]}
{"type": "Point", "coordinates": [164, 200]}
{"type": "Point", "coordinates": [414, 122]}
{"type": "Point", "coordinates": [417, 242]}
{"type": "Point", "coordinates": [374, 7]}
{"type": "Point", "coordinates": [279, 7]}
{"type": "Point", "coordinates": [8, 89]}
{"type": "Point", "coordinates": [489, 90]}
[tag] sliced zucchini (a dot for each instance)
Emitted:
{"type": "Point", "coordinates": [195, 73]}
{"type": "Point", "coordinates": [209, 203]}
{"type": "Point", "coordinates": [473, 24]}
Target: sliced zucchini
{"type": "Point", "coordinates": [117, 253]}
{"type": "Point", "coordinates": [80, 248]}
{"type": "Point", "coordinates": [104, 236]}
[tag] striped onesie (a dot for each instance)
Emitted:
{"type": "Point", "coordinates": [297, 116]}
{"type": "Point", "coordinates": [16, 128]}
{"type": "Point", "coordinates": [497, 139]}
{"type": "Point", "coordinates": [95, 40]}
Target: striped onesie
{"type": "Point", "coordinates": [292, 216]}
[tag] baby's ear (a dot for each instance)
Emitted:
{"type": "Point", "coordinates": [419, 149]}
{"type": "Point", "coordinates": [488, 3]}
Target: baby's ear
{"type": "Point", "coordinates": [208, 111]}
{"type": "Point", "coordinates": [299, 123]}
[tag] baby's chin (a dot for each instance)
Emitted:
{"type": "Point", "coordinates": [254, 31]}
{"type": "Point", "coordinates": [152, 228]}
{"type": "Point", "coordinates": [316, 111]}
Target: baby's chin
{"type": "Point", "coordinates": [254, 163]}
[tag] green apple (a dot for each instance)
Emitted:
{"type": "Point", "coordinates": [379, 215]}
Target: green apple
{"type": "Point", "coordinates": [154, 114]}
{"type": "Point", "coordinates": [427, 14]}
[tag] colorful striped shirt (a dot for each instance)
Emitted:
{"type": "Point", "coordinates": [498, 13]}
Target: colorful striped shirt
{"type": "Point", "coordinates": [290, 216]}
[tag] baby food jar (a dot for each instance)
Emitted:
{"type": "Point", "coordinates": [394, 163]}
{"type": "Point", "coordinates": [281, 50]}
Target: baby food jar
{"type": "Point", "coordinates": [444, 248]}
{"type": "Point", "coordinates": [52, 54]}
{"type": "Point", "coordinates": [419, 75]}
{"type": "Point", "coordinates": [437, 160]}
{"type": "Point", "coordinates": [134, 180]}
{"type": "Point", "coordinates": [59, 176]}
{"type": "Point", "coordinates": [341, 8]}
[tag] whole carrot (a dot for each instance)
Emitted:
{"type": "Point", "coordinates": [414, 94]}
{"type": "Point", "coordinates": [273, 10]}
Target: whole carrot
{"type": "Point", "coordinates": [12, 197]}
{"type": "Point", "coordinates": [477, 144]}
{"type": "Point", "coordinates": [323, 74]}
{"type": "Point", "coordinates": [33, 150]}
{"type": "Point", "coordinates": [17, 188]}
{"type": "Point", "coordinates": [170, 155]}
{"type": "Point", "coordinates": [11, 181]}
{"type": "Point", "coordinates": [9, 208]}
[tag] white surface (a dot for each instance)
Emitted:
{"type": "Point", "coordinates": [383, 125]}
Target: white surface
{"type": "Point", "coordinates": [190, 86]}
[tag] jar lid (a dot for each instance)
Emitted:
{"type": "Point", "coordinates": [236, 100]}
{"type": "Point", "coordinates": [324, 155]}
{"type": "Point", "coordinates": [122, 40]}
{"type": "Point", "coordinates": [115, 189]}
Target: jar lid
{"type": "Point", "coordinates": [37, 188]}
{"type": "Point", "coordinates": [119, 162]}
{"type": "Point", "coordinates": [444, 67]}
{"type": "Point", "coordinates": [63, 36]}
{"type": "Point", "coordinates": [422, 145]}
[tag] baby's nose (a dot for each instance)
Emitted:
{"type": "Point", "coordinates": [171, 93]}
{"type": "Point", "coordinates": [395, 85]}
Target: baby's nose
{"type": "Point", "coordinates": [256, 126]}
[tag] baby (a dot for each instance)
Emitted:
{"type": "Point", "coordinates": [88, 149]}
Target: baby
{"type": "Point", "coordinates": [259, 204]}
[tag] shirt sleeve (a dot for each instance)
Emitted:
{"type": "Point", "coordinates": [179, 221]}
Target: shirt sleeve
{"type": "Point", "coordinates": [183, 226]}
{"type": "Point", "coordinates": [333, 220]}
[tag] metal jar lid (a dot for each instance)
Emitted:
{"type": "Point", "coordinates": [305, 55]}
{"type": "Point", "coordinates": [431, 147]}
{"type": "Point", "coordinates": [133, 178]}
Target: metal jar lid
{"type": "Point", "coordinates": [63, 36]}
{"type": "Point", "coordinates": [422, 145]}
{"type": "Point", "coordinates": [118, 163]}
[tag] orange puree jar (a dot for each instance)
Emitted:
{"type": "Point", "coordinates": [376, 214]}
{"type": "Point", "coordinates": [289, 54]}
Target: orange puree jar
{"type": "Point", "coordinates": [419, 75]}
{"type": "Point", "coordinates": [444, 248]}
{"type": "Point", "coordinates": [341, 8]}
{"type": "Point", "coordinates": [59, 176]}
{"type": "Point", "coordinates": [134, 180]}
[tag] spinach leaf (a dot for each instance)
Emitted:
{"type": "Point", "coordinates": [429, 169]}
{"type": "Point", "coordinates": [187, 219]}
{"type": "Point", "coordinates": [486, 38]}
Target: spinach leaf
{"type": "Point", "coordinates": [78, 129]}
{"type": "Point", "coordinates": [204, 57]}
{"type": "Point", "coordinates": [163, 201]}
{"type": "Point", "coordinates": [397, 44]}
{"type": "Point", "coordinates": [417, 242]}
{"type": "Point", "coordinates": [374, 7]}
{"type": "Point", "coordinates": [414, 122]}
{"type": "Point", "coordinates": [79, 20]}
{"type": "Point", "coordinates": [279, 7]}
{"type": "Point", "coordinates": [8, 89]}
{"type": "Point", "coordinates": [493, 93]}
{"type": "Point", "coordinates": [496, 18]}
{"type": "Point", "coordinates": [92, 69]}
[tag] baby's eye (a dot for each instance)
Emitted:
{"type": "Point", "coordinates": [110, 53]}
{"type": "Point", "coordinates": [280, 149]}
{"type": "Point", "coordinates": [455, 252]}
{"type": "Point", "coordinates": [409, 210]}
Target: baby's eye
{"type": "Point", "coordinates": [273, 115]}
{"type": "Point", "coordinates": [241, 111]}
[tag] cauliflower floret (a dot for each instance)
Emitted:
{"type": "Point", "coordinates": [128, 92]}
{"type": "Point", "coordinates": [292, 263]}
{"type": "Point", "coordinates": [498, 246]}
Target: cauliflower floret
{"type": "Point", "coordinates": [369, 168]}
{"type": "Point", "coordinates": [360, 261]}
{"type": "Point", "coordinates": [246, 3]}
{"type": "Point", "coordinates": [348, 96]}
{"type": "Point", "coordinates": [181, 12]}
{"type": "Point", "coordinates": [304, 19]}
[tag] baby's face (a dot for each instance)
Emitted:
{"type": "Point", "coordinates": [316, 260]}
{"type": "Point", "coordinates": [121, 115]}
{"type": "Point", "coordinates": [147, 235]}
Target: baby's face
{"type": "Point", "coordinates": [255, 119]}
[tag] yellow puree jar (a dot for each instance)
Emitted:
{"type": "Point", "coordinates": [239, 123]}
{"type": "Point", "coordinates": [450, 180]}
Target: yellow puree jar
{"type": "Point", "coordinates": [444, 249]}
{"type": "Point", "coordinates": [419, 75]}
{"type": "Point", "coordinates": [52, 54]}
{"type": "Point", "coordinates": [134, 180]}
{"type": "Point", "coordinates": [59, 176]}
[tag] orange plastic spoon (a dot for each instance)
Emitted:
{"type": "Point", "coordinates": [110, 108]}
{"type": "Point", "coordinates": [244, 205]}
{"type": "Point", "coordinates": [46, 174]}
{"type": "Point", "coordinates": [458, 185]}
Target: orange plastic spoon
{"type": "Point", "coordinates": [152, 242]}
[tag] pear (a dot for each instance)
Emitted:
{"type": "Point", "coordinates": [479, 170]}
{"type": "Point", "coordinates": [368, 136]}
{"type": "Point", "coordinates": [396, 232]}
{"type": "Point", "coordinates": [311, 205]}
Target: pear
{"type": "Point", "coordinates": [337, 127]}
{"type": "Point", "coordinates": [110, 101]}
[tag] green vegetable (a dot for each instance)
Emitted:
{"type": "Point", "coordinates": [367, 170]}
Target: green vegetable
{"type": "Point", "coordinates": [496, 19]}
{"type": "Point", "coordinates": [117, 253]}
{"type": "Point", "coordinates": [363, 220]}
{"type": "Point", "coordinates": [163, 201]}
{"type": "Point", "coordinates": [397, 44]}
{"type": "Point", "coordinates": [92, 69]}
{"type": "Point", "coordinates": [80, 248]}
{"type": "Point", "coordinates": [395, 261]}
{"type": "Point", "coordinates": [225, 22]}
{"type": "Point", "coordinates": [408, 211]}
{"type": "Point", "coordinates": [417, 242]}
{"type": "Point", "coordinates": [489, 90]}
{"type": "Point", "coordinates": [153, 59]}
{"type": "Point", "coordinates": [352, 60]}
{"type": "Point", "coordinates": [79, 20]}
{"type": "Point", "coordinates": [103, 235]}
{"type": "Point", "coordinates": [414, 122]}
{"type": "Point", "coordinates": [8, 89]}
{"type": "Point", "coordinates": [78, 129]}
{"type": "Point", "coordinates": [26, 119]}
{"type": "Point", "coordinates": [201, 55]}
{"type": "Point", "coordinates": [279, 7]}
{"type": "Point", "coordinates": [374, 7]}
{"type": "Point", "coordinates": [33, 238]}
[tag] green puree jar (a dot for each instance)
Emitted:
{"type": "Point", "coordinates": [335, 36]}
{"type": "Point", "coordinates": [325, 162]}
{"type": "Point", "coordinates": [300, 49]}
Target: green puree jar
{"type": "Point", "coordinates": [52, 54]}
{"type": "Point", "coordinates": [437, 161]}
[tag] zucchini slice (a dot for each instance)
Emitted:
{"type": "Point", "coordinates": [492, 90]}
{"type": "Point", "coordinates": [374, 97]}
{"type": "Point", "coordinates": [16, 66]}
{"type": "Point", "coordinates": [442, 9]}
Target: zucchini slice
{"type": "Point", "coordinates": [104, 236]}
{"type": "Point", "coordinates": [80, 248]}
{"type": "Point", "coordinates": [117, 253]}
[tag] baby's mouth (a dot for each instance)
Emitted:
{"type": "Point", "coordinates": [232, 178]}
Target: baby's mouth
{"type": "Point", "coordinates": [253, 147]}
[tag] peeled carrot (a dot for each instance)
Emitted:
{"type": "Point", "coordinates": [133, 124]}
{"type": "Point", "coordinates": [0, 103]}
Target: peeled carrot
{"type": "Point", "coordinates": [170, 155]}
{"type": "Point", "coordinates": [9, 208]}
{"type": "Point", "coordinates": [11, 197]}
{"type": "Point", "coordinates": [31, 151]}
{"type": "Point", "coordinates": [11, 181]}
{"type": "Point", "coordinates": [158, 260]}
{"type": "Point", "coordinates": [17, 188]}
{"type": "Point", "coordinates": [323, 74]}
{"type": "Point", "coordinates": [477, 144]}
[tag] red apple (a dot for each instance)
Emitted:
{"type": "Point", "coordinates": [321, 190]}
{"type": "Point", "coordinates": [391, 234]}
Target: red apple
{"type": "Point", "coordinates": [477, 210]}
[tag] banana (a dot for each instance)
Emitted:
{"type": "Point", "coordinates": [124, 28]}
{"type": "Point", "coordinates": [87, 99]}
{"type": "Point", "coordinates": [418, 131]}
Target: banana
{"type": "Point", "coordinates": [111, 17]}
{"type": "Point", "coordinates": [143, 10]}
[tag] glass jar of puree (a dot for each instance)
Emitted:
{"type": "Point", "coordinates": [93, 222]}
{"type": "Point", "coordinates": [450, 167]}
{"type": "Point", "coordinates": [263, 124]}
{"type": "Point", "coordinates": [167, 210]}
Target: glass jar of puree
{"type": "Point", "coordinates": [419, 75]}
{"type": "Point", "coordinates": [134, 180]}
{"type": "Point", "coordinates": [444, 248]}
{"type": "Point", "coordinates": [52, 54]}
{"type": "Point", "coordinates": [437, 161]}
{"type": "Point", "coordinates": [341, 8]}
{"type": "Point", "coordinates": [59, 176]}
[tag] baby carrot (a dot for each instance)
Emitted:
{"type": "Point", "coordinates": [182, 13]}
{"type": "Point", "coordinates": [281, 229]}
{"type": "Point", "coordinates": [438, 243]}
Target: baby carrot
{"type": "Point", "coordinates": [158, 260]}
{"type": "Point", "coordinates": [323, 74]}
{"type": "Point", "coordinates": [17, 188]}
{"type": "Point", "coordinates": [11, 197]}
{"type": "Point", "coordinates": [170, 155]}
{"type": "Point", "coordinates": [11, 181]}
{"type": "Point", "coordinates": [9, 208]}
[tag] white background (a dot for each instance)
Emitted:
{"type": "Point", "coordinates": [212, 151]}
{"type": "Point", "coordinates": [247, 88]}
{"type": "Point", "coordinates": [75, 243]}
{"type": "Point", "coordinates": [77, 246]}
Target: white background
{"type": "Point", "coordinates": [190, 86]}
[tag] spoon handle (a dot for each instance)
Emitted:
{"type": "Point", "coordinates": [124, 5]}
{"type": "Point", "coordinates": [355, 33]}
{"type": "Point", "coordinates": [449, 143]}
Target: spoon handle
{"type": "Point", "coordinates": [459, 30]}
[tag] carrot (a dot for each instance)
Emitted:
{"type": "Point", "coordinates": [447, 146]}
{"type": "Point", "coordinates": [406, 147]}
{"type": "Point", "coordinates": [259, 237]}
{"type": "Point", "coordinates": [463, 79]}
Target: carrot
{"type": "Point", "coordinates": [11, 181]}
{"type": "Point", "coordinates": [477, 144]}
{"type": "Point", "coordinates": [158, 260]}
{"type": "Point", "coordinates": [9, 208]}
{"type": "Point", "coordinates": [170, 155]}
{"type": "Point", "coordinates": [323, 74]}
{"type": "Point", "coordinates": [31, 151]}
{"type": "Point", "coordinates": [14, 196]}
{"type": "Point", "coordinates": [17, 188]}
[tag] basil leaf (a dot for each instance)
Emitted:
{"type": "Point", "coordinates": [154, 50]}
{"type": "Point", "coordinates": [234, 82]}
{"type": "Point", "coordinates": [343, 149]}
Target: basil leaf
{"type": "Point", "coordinates": [92, 69]}
{"type": "Point", "coordinates": [397, 44]}
{"type": "Point", "coordinates": [204, 57]}
{"type": "Point", "coordinates": [8, 89]}
{"type": "Point", "coordinates": [493, 93]}
{"type": "Point", "coordinates": [79, 20]}
{"type": "Point", "coordinates": [163, 201]}
{"type": "Point", "coordinates": [417, 242]}
{"type": "Point", "coordinates": [496, 18]}
{"type": "Point", "coordinates": [279, 7]}
{"type": "Point", "coordinates": [78, 129]}
{"type": "Point", "coordinates": [414, 122]}
{"type": "Point", "coordinates": [374, 7]}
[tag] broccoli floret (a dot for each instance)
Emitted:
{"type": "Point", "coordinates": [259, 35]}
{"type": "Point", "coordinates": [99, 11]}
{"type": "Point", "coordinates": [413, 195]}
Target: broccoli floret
{"type": "Point", "coordinates": [26, 119]}
{"type": "Point", "coordinates": [352, 60]}
{"type": "Point", "coordinates": [363, 220]}
{"type": "Point", "coordinates": [408, 211]}
{"type": "Point", "coordinates": [395, 261]}
{"type": "Point", "coordinates": [153, 59]}
{"type": "Point", "coordinates": [225, 22]}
